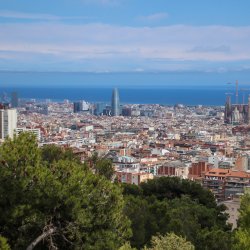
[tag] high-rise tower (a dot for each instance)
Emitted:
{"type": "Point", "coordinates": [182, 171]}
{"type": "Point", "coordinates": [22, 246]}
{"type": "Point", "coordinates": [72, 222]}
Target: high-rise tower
{"type": "Point", "coordinates": [115, 103]}
{"type": "Point", "coordinates": [8, 122]}
{"type": "Point", "coordinates": [14, 100]}
{"type": "Point", "coordinates": [228, 110]}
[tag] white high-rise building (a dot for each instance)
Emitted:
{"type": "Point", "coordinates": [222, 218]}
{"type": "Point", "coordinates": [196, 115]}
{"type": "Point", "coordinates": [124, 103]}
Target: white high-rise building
{"type": "Point", "coordinates": [35, 131]}
{"type": "Point", "coordinates": [8, 122]}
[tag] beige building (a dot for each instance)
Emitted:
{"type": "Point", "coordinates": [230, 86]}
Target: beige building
{"type": "Point", "coordinates": [133, 177]}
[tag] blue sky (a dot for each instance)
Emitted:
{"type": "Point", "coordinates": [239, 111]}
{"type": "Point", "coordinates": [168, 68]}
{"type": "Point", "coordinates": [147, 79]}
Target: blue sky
{"type": "Point", "coordinates": [125, 35]}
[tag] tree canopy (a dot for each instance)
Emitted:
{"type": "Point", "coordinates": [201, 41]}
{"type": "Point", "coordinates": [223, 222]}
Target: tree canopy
{"type": "Point", "coordinates": [169, 204]}
{"type": "Point", "coordinates": [101, 166]}
{"type": "Point", "coordinates": [58, 203]}
{"type": "Point", "coordinates": [169, 242]}
{"type": "Point", "coordinates": [242, 234]}
{"type": "Point", "coordinates": [4, 244]}
{"type": "Point", "coordinates": [50, 200]}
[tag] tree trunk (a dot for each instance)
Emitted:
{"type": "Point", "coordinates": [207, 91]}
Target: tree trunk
{"type": "Point", "coordinates": [41, 237]}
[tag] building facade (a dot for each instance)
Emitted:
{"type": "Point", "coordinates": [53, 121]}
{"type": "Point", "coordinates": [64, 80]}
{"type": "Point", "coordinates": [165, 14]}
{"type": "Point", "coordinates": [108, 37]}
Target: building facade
{"type": "Point", "coordinates": [226, 183]}
{"type": "Point", "coordinates": [132, 177]}
{"type": "Point", "coordinates": [115, 103]}
{"type": "Point", "coordinates": [77, 107]}
{"type": "Point", "coordinates": [8, 123]}
{"type": "Point", "coordinates": [237, 113]}
{"type": "Point", "coordinates": [35, 131]}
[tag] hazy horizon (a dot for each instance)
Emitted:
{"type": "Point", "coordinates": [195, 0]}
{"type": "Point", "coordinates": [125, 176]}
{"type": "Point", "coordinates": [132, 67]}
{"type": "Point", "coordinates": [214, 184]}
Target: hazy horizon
{"type": "Point", "coordinates": [124, 79]}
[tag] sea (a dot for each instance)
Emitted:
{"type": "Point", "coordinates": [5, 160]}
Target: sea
{"type": "Point", "coordinates": [127, 95]}
{"type": "Point", "coordinates": [134, 88]}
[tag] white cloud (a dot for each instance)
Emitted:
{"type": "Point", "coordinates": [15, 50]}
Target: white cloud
{"type": "Point", "coordinates": [208, 49]}
{"type": "Point", "coordinates": [36, 16]}
{"type": "Point", "coordinates": [154, 17]}
{"type": "Point", "coordinates": [22, 15]}
{"type": "Point", "coordinates": [108, 47]}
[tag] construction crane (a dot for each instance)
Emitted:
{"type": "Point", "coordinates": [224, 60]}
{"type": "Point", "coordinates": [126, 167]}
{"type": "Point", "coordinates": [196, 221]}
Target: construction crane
{"type": "Point", "coordinates": [236, 91]}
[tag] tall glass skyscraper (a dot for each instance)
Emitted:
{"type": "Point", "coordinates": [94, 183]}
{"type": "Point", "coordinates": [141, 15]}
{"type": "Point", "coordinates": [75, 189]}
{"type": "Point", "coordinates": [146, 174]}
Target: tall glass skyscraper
{"type": "Point", "coordinates": [77, 107]}
{"type": "Point", "coordinates": [115, 103]}
{"type": "Point", "coordinates": [14, 100]}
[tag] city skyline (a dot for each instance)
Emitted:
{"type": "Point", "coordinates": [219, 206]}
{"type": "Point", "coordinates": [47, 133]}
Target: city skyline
{"type": "Point", "coordinates": [125, 124]}
{"type": "Point", "coordinates": [126, 36]}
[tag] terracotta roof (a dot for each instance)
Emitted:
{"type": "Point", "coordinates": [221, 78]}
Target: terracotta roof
{"type": "Point", "coordinates": [227, 173]}
{"type": "Point", "coordinates": [240, 174]}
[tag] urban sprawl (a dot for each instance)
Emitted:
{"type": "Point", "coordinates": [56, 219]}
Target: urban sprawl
{"type": "Point", "coordinates": [209, 145]}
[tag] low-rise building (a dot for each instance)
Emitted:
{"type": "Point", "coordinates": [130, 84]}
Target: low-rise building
{"type": "Point", "coordinates": [35, 131]}
{"type": "Point", "coordinates": [133, 177]}
{"type": "Point", "coordinates": [226, 183]}
{"type": "Point", "coordinates": [174, 168]}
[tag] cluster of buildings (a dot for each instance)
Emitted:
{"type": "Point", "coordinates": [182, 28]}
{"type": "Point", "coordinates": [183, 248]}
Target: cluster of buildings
{"type": "Point", "coordinates": [148, 141]}
{"type": "Point", "coordinates": [100, 108]}
{"type": "Point", "coordinates": [188, 142]}
{"type": "Point", "coordinates": [237, 113]}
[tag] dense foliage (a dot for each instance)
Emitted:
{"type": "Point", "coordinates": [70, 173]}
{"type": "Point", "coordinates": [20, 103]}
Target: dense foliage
{"type": "Point", "coordinates": [56, 203]}
{"type": "Point", "coordinates": [242, 234]}
{"type": "Point", "coordinates": [101, 166]}
{"type": "Point", "coordinates": [50, 200]}
{"type": "Point", "coordinates": [4, 244]}
{"type": "Point", "coordinates": [170, 204]}
{"type": "Point", "coordinates": [170, 242]}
